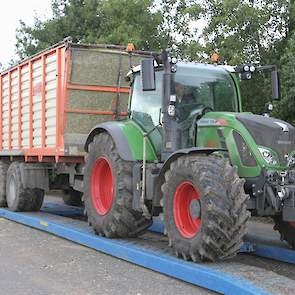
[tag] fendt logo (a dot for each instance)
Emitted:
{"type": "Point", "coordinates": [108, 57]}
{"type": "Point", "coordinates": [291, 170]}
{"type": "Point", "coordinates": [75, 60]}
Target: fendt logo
{"type": "Point", "coordinates": [283, 126]}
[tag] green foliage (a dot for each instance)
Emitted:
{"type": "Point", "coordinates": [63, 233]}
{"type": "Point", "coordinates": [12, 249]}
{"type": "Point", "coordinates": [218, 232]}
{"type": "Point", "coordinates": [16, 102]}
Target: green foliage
{"type": "Point", "coordinates": [126, 21]}
{"type": "Point", "coordinates": [248, 31]}
{"type": "Point", "coordinates": [151, 25]}
{"type": "Point", "coordinates": [242, 31]}
{"type": "Point", "coordinates": [94, 21]}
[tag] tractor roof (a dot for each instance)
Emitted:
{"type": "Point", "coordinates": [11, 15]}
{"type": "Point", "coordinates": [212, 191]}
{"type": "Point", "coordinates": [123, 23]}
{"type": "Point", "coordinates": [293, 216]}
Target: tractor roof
{"type": "Point", "coordinates": [218, 69]}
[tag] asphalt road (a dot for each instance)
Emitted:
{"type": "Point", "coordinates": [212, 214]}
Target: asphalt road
{"type": "Point", "coordinates": [36, 263]}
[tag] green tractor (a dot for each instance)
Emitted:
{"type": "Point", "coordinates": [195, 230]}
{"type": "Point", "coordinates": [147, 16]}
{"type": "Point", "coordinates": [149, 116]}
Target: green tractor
{"type": "Point", "coordinates": [188, 154]}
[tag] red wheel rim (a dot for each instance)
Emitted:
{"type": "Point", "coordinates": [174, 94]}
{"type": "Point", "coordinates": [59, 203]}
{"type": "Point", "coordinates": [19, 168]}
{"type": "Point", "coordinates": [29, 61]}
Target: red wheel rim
{"type": "Point", "coordinates": [102, 186]}
{"type": "Point", "coordinates": [185, 194]}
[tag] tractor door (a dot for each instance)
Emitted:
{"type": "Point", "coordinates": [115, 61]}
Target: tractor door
{"type": "Point", "coordinates": [145, 109]}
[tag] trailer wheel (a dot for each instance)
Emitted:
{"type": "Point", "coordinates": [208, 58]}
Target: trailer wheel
{"type": "Point", "coordinates": [108, 191]}
{"type": "Point", "coordinates": [204, 207]}
{"type": "Point", "coordinates": [286, 230]}
{"type": "Point", "coordinates": [19, 198]}
{"type": "Point", "coordinates": [72, 197]}
{"type": "Point", "coordinates": [3, 174]}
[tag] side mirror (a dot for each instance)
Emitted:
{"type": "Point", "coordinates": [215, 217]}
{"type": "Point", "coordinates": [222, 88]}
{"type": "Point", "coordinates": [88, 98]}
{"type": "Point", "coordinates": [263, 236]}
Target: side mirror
{"type": "Point", "coordinates": [247, 70]}
{"type": "Point", "coordinates": [275, 85]}
{"type": "Point", "coordinates": [148, 74]}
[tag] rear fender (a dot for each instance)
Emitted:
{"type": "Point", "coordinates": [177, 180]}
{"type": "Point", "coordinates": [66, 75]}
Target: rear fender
{"type": "Point", "coordinates": [128, 138]}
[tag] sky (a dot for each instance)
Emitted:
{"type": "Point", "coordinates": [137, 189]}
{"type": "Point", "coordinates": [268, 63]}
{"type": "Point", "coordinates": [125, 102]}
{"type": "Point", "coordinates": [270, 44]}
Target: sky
{"type": "Point", "coordinates": [13, 11]}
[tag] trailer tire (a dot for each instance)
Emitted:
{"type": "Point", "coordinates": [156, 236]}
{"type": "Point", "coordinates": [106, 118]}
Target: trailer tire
{"type": "Point", "coordinates": [20, 198]}
{"type": "Point", "coordinates": [72, 197]}
{"type": "Point", "coordinates": [286, 230]}
{"type": "Point", "coordinates": [204, 207]}
{"type": "Point", "coordinates": [108, 203]}
{"type": "Point", "coordinates": [3, 174]}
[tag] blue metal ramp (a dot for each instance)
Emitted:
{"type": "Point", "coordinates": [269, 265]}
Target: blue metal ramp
{"type": "Point", "coordinates": [150, 251]}
{"type": "Point", "coordinates": [138, 252]}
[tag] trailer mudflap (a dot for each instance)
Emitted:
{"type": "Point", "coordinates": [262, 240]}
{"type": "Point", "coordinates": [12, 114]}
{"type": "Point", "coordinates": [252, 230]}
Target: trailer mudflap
{"type": "Point", "coordinates": [289, 204]}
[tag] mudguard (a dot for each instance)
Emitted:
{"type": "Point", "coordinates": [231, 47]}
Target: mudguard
{"type": "Point", "coordinates": [194, 150]}
{"type": "Point", "coordinates": [173, 157]}
{"type": "Point", "coordinates": [128, 138]}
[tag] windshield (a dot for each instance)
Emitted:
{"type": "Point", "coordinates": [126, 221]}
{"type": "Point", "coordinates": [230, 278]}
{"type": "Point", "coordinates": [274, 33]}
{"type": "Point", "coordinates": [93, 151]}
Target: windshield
{"type": "Point", "coordinates": [197, 87]}
{"type": "Point", "coordinates": [146, 105]}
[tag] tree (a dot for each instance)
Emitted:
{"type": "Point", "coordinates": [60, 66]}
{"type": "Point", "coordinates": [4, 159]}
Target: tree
{"type": "Point", "coordinates": [178, 16]}
{"type": "Point", "coordinates": [150, 24]}
{"type": "Point", "coordinates": [243, 31]}
{"type": "Point", "coordinates": [131, 21]}
{"type": "Point", "coordinates": [247, 31]}
{"type": "Point", "coordinates": [94, 21]}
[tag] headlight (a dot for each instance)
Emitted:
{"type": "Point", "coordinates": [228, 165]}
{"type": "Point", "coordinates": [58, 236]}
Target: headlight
{"type": "Point", "coordinates": [173, 60]}
{"type": "Point", "coordinates": [268, 156]}
{"type": "Point", "coordinates": [245, 154]}
{"type": "Point", "coordinates": [173, 68]}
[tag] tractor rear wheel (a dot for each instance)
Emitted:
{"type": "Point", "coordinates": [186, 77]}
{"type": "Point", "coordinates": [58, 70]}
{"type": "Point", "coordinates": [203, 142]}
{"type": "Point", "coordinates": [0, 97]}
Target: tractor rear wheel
{"type": "Point", "coordinates": [72, 197]}
{"type": "Point", "coordinates": [286, 230]}
{"type": "Point", "coordinates": [19, 198]}
{"type": "Point", "coordinates": [108, 191]}
{"type": "Point", "coordinates": [204, 207]}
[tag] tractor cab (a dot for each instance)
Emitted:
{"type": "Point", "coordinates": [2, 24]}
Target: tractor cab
{"type": "Point", "coordinates": [198, 88]}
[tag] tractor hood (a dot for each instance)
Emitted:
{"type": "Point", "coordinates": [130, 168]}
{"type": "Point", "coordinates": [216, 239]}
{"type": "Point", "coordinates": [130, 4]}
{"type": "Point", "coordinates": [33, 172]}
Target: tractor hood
{"type": "Point", "coordinates": [256, 131]}
{"type": "Point", "coordinates": [270, 132]}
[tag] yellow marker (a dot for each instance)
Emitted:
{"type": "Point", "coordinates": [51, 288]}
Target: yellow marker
{"type": "Point", "coordinates": [44, 223]}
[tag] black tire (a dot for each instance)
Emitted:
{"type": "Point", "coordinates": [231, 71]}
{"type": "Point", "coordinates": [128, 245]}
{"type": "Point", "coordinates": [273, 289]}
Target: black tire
{"type": "Point", "coordinates": [286, 230]}
{"type": "Point", "coordinates": [72, 197]}
{"type": "Point", "coordinates": [221, 215]}
{"type": "Point", "coordinates": [3, 174]}
{"type": "Point", "coordinates": [120, 220]}
{"type": "Point", "coordinates": [20, 198]}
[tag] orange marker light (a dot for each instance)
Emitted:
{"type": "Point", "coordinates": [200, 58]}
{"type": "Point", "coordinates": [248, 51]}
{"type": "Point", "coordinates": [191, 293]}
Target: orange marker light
{"type": "Point", "coordinates": [215, 57]}
{"type": "Point", "coordinates": [130, 47]}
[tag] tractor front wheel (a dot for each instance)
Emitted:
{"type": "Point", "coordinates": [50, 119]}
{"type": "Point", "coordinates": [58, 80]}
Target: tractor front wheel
{"type": "Point", "coordinates": [108, 191]}
{"type": "Point", "coordinates": [204, 207]}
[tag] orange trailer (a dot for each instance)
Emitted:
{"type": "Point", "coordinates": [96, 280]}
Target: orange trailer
{"type": "Point", "coordinates": [49, 102]}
